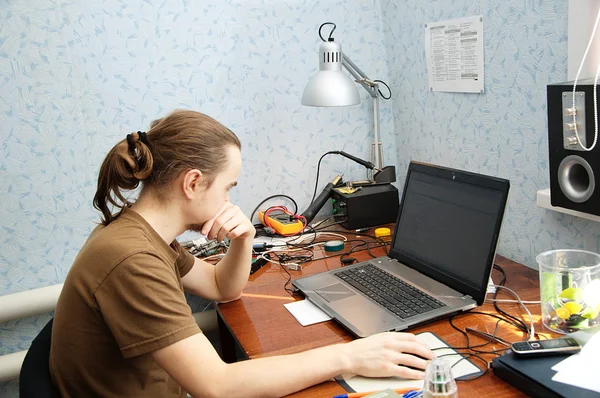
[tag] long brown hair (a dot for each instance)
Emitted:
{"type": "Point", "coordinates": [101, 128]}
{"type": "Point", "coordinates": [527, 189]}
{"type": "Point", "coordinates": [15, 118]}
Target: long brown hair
{"type": "Point", "coordinates": [182, 141]}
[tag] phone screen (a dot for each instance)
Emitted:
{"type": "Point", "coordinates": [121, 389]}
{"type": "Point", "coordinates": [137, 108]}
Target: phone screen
{"type": "Point", "coordinates": [557, 343]}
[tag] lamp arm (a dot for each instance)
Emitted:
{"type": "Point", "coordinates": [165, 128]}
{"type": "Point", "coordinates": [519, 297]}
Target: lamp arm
{"type": "Point", "coordinates": [360, 76]}
{"type": "Point", "coordinates": [373, 89]}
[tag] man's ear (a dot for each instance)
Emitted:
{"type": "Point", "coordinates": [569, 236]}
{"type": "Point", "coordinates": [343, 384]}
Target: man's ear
{"type": "Point", "coordinates": [192, 182]}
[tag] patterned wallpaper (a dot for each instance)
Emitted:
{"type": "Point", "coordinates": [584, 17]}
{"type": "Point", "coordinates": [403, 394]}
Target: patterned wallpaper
{"type": "Point", "coordinates": [502, 132]}
{"type": "Point", "coordinates": [76, 77]}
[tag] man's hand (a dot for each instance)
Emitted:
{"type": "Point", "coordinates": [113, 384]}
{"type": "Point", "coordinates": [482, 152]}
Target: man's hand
{"type": "Point", "coordinates": [229, 222]}
{"type": "Point", "coordinates": [388, 354]}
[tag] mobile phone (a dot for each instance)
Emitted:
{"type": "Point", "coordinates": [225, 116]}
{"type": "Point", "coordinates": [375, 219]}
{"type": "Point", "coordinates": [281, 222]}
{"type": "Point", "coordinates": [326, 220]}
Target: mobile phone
{"type": "Point", "coordinates": [561, 346]}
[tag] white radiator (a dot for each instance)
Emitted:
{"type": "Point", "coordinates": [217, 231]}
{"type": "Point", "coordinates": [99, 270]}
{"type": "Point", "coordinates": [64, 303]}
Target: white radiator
{"type": "Point", "coordinates": [21, 305]}
{"type": "Point", "coordinates": [43, 300]}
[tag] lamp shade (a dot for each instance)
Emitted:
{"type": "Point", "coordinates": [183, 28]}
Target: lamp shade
{"type": "Point", "coordinates": [330, 86]}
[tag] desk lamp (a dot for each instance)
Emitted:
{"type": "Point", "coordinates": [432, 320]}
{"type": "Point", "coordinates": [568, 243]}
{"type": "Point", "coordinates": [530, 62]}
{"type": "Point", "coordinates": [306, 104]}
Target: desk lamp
{"type": "Point", "coordinates": [332, 87]}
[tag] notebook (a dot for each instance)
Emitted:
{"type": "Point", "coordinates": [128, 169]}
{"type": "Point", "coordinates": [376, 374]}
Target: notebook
{"type": "Point", "coordinates": [440, 259]}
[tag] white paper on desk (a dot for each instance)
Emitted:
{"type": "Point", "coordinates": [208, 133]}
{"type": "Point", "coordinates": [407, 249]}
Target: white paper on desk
{"type": "Point", "coordinates": [306, 312]}
{"type": "Point", "coordinates": [461, 369]}
{"type": "Point", "coordinates": [581, 369]}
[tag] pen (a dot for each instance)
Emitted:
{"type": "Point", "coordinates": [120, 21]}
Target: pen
{"type": "Point", "coordinates": [400, 391]}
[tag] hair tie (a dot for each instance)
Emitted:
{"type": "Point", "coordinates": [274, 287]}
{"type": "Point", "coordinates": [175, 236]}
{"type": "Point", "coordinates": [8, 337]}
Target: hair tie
{"type": "Point", "coordinates": [142, 136]}
{"type": "Point", "coordinates": [130, 142]}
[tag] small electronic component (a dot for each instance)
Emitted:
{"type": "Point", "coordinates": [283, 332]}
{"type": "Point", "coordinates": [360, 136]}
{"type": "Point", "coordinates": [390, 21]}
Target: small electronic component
{"type": "Point", "coordinates": [204, 248]}
{"type": "Point", "coordinates": [207, 249]}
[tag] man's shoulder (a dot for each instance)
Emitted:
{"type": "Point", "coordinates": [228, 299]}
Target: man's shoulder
{"type": "Point", "coordinates": [120, 238]}
{"type": "Point", "coordinates": [110, 246]}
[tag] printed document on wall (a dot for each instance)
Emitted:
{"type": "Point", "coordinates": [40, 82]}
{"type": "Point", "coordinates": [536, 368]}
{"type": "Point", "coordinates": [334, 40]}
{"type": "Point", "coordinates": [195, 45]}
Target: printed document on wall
{"type": "Point", "coordinates": [454, 52]}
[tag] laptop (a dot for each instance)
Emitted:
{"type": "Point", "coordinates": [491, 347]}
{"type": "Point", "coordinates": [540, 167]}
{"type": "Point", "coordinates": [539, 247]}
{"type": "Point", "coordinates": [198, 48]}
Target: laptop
{"type": "Point", "coordinates": [439, 262]}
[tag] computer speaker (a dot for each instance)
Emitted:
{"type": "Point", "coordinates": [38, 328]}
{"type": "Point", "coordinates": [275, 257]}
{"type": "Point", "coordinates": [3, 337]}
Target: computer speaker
{"type": "Point", "coordinates": [574, 171]}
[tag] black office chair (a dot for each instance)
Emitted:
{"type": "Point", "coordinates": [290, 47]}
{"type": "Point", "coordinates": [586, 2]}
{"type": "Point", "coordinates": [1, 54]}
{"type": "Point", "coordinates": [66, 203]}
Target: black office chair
{"type": "Point", "coordinates": [35, 380]}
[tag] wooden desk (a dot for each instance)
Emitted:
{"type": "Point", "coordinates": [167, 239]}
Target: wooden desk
{"type": "Point", "coordinates": [262, 326]}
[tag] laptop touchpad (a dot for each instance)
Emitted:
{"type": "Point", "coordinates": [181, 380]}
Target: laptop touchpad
{"type": "Point", "coordinates": [335, 292]}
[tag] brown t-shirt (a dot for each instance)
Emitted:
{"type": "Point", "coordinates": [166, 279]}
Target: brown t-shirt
{"type": "Point", "coordinates": [122, 299]}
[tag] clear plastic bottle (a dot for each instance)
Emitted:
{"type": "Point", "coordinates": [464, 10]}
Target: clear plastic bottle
{"type": "Point", "coordinates": [439, 382]}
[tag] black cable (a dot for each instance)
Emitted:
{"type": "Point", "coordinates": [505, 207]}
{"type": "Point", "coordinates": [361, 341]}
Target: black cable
{"type": "Point", "coordinates": [291, 291]}
{"type": "Point", "coordinates": [330, 33]}
{"type": "Point", "coordinates": [385, 244]}
{"type": "Point", "coordinates": [284, 258]}
{"type": "Point", "coordinates": [271, 197]}
{"type": "Point", "coordinates": [474, 348]}
{"type": "Point", "coordinates": [464, 356]}
{"type": "Point", "coordinates": [469, 378]}
{"type": "Point", "coordinates": [369, 250]}
{"type": "Point", "coordinates": [338, 254]}
{"type": "Point", "coordinates": [319, 223]}
{"type": "Point", "coordinates": [301, 234]}
{"type": "Point", "coordinates": [318, 170]}
{"type": "Point", "coordinates": [388, 87]}
{"type": "Point", "coordinates": [516, 325]}
{"type": "Point", "coordinates": [500, 311]}
{"type": "Point", "coordinates": [352, 250]}
{"type": "Point", "coordinates": [382, 241]}
{"type": "Point", "coordinates": [320, 228]}
{"type": "Point", "coordinates": [350, 232]}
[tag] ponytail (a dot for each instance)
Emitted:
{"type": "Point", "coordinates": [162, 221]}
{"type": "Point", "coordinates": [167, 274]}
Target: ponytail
{"type": "Point", "coordinates": [127, 163]}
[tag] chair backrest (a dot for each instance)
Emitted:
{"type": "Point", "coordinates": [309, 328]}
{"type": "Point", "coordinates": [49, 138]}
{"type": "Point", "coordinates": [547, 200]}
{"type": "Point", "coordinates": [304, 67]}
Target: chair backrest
{"type": "Point", "coordinates": [34, 379]}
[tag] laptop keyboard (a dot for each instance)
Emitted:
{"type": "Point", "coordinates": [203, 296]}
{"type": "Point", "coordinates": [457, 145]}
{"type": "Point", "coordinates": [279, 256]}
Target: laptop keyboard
{"type": "Point", "coordinates": [394, 294]}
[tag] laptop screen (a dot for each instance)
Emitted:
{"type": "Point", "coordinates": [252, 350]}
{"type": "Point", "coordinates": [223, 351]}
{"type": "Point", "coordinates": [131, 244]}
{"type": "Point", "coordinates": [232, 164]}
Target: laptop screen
{"type": "Point", "coordinates": [448, 226]}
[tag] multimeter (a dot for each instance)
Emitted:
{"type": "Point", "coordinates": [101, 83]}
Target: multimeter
{"type": "Point", "coordinates": [284, 223]}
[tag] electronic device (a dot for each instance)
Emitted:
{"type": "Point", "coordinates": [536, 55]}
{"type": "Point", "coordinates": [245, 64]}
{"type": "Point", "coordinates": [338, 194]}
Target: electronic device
{"type": "Point", "coordinates": [533, 376]}
{"type": "Point", "coordinates": [441, 256]}
{"type": "Point", "coordinates": [384, 176]}
{"type": "Point", "coordinates": [562, 346]}
{"type": "Point", "coordinates": [284, 222]}
{"type": "Point", "coordinates": [574, 172]}
{"type": "Point", "coordinates": [371, 205]}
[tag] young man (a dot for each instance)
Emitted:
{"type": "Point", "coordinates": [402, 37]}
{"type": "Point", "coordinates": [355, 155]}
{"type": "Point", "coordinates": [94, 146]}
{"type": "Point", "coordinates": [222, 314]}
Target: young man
{"type": "Point", "coordinates": [122, 326]}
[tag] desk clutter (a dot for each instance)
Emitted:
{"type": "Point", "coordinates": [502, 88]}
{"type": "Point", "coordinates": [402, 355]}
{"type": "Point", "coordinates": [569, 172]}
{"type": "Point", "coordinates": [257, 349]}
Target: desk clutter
{"type": "Point", "coordinates": [442, 251]}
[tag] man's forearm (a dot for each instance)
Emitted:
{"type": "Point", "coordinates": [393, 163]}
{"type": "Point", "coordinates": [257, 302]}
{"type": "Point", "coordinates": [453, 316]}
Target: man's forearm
{"type": "Point", "coordinates": [232, 271]}
{"type": "Point", "coordinates": [283, 375]}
